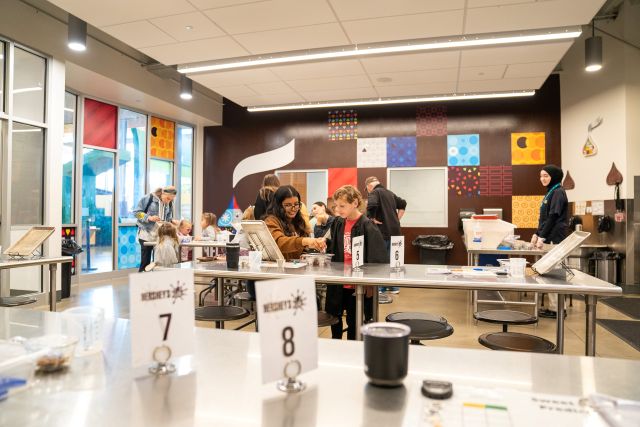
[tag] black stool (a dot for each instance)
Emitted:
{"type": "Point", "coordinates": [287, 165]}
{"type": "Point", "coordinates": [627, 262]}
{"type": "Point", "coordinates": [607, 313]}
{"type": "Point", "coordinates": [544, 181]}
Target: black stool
{"type": "Point", "coordinates": [326, 319]}
{"type": "Point", "coordinates": [221, 313]}
{"type": "Point", "coordinates": [17, 300]}
{"type": "Point", "coordinates": [424, 326]}
{"type": "Point", "coordinates": [242, 297]}
{"type": "Point", "coordinates": [513, 341]}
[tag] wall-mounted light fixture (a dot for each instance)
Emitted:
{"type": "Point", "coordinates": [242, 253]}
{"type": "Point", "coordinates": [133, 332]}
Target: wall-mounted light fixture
{"type": "Point", "coordinates": [593, 51]}
{"type": "Point", "coordinates": [186, 87]}
{"type": "Point", "coordinates": [77, 34]}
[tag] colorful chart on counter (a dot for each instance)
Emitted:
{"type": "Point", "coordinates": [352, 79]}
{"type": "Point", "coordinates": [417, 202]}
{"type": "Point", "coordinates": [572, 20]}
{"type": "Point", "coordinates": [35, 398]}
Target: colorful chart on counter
{"type": "Point", "coordinates": [528, 148]}
{"type": "Point", "coordinates": [401, 151]}
{"type": "Point", "coordinates": [525, 211]}
{"type": "Point", "coordinates": [496, 180]}
{"type": "Point", "coordinates": [342, 125]}
{"type": "Point", "coordinates": [463, 150]}
{"type": "Point", "coordinates": [162, 138]}
{"type": "Point", "coordinates": [464, 181]}
{"type": "Point", "coordinates": [431, 121]}
{"type": "Point", "coordinates": [372, 152]}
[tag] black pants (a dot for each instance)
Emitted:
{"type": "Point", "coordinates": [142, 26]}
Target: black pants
{"type": "Point", "coordinates": [349, 305]}
{"type": "Point", "coordinates": [145, 255]}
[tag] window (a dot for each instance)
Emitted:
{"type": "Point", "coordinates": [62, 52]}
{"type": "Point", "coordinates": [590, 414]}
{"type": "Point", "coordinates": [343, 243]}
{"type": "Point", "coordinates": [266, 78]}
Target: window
{"type": "Point", "coordinates": [2, 91]}
{"type": "Point", "coordinates": [27, 174]}
{"type": "Point", "coordinates": [425, 190]}
{"type": "Point", "coordinates": [160, 174]}
{"type": "Point", "coordinates": [311, 184]}
{"type": "Point", "coordinates": [68, 158]}
{"type": "Point", "coordinates": [185, 171]}
{"type": "Point", "coordinates": [132, 141]}
{"type": "Point", "coordinates": [28, 85]}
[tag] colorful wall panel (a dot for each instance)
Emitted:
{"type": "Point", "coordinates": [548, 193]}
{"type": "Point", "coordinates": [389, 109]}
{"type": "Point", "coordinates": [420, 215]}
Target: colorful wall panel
{"type": "Point", "coordinates": [342, 176]}
{"type": "Point", "coordinates": [100, 124]}
{"type": "Point", "coordinates": [372, 152]}
{"type": "Point", "coordinates": [128, 247]}
{"type": "Point", "coordinates": [525, 211]}
{"type": "Point", "coordinates": [401, 151]}
{"type": "Point", "coordinates": [496, 180]}
{"type": "Point", "coordinates": [163, 134]}
{"type": "Point", "coordinates": [463, 150]}
{"type": "Point", "coordinates": [342, 125]}
{"type": "Point", "coordinates": [431, 121]}
{"type": "Point", "coordinates": [528, 148]}
{"type": "Point", "coordinates": [464, 181]}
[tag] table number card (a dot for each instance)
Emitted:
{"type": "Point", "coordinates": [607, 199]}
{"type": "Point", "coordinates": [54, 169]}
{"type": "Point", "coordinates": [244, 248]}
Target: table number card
{"type": "Point", "coordinates": [162, 319]}
{"type": "Point", "coordinates": [288, 318]}
{"type": "Point", "coordinates": [396, 259]}
{"type": "Point", "coordinates": [357, 252]}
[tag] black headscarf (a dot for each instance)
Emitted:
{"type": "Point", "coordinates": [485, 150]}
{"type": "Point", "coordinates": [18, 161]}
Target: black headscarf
{"type": "Point", "coordinates": [555, 173]}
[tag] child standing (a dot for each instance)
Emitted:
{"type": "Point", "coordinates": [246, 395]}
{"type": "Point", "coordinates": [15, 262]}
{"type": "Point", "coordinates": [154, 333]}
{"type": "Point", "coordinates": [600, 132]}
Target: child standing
{"type": "Point", "coordinates": [350, 223]}
{"type": "Point", "coordinates": [184, 236]}
{"type": "Point", "coordinates": [166, 251]}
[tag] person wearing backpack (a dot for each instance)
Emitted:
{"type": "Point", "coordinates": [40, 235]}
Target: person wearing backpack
{"type": "Point", "coordinates": [152, 210]}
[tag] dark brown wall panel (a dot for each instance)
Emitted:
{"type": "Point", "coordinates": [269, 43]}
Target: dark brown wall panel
{"type": "Point", "coordinates": [245, 134]}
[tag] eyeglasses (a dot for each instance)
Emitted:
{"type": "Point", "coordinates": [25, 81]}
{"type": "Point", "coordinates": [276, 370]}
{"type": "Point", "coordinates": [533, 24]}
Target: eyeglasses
{"type": "Point", "coordinates": [291, 206]}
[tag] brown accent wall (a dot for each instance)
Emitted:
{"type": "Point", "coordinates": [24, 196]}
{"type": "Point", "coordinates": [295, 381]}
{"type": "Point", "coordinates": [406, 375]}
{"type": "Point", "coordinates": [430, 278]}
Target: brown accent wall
{"type": "Point", "coordinates": [245, 134]}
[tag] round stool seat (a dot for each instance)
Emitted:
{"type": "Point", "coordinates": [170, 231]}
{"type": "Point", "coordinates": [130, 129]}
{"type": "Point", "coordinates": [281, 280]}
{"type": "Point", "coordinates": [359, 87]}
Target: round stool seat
{"type": "Point", "coordinates": [384, 299]}
{"type": "Point", "coordinates": [510, 317]}
{"type": "Point", "coordinates": [17, 300]}
{"type": "Point", "coordinates": [424, 326]}
{"type": "Point", "coordinates": [221, 313]}
{"type": "Point", "coordinates": [515, 341]}
{"type": "Point", "coordinates": [243, 296]}
{"type": "Point", "coordinates": [326, 319]}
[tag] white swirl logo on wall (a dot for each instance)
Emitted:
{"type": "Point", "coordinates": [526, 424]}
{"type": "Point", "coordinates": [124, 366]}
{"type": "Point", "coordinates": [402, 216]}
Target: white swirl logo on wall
{"type": "Point", "coordinates": [257, 163]}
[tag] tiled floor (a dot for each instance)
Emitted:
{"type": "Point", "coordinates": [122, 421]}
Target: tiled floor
{"type": "Point", "coordinates": [455, 306]}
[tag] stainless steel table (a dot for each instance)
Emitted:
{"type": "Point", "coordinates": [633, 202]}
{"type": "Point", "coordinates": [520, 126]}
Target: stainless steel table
{"type": "Point", "coordinates": [415, 276]}
{"type": "Point", "coordinates": [195, 244]}
{"type": "Point", "coordinates": [225, 389]}
{"type": "Point", "coordinates": [473, 255]}
{"type": "Point", "coordinates": [52, 262]}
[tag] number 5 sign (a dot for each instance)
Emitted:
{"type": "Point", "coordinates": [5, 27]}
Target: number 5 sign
{"type": "Point", "coordinates": [162, 316]}
{"type": "Point", "coordinates": [288, 318]}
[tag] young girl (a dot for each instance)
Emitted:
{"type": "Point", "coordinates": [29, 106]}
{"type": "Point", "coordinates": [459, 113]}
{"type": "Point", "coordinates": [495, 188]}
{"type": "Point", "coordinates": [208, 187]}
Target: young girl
{"type": "Point", "coordinates": [209, 227]}
{"type": "Point", "coordinates": [184, 236]}
{"type": "Point", "coordinates": [166, 251]}
{"type": "Point", "coordinates": [349, 223]}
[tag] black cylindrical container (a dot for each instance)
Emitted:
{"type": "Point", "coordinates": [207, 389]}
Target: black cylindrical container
{"type": "Point", "coordinates": [386, 353]}
{"type": "Point", "coordinates": [233, 255]}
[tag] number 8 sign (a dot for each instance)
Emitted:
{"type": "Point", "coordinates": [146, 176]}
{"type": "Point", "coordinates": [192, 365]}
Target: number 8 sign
{"type": "Point", "coordinates": [288, 315]}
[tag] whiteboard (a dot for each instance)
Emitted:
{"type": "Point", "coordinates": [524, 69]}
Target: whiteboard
{"type": "Point", "coordinates": [425, 190]}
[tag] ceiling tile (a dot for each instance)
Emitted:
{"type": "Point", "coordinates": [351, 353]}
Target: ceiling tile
{"type": "Point", "coordinates": [340, 94]}
{"type": "Point", "coordinates": [422, 25]}
{"type": "Point", "coordinates": [232, 91]}
{"type": "Point", "coordinates": [413, 77]}
{"type": "Point", "coordinates": [541, 14]}
{"type": "Point", "coordinates": [363, 9]}
{"type": "Point", "coordinates": [195, 51]}
{"type": "Point", "coordinates": [235, 78]}
{"type": "Point", "coordinates": [299, 38]}
{"type": "Point", "coordinates": [139, 34]}
{"type": "Point", "coordinates": [212, 4]}
{"type": "Point", "coordinates": [515, 54]}
{"type": "Point", "coordinates": [271, 15]}
{"type": "Point", "coordinates": [412, 62]}
{"type": "Point", "coordinates": [417, 90]}
{"type": "Point", "coordinates": [176, 26]}
{"type": "Point", "coordinates": [100, 14]}
{"type": "Point", "coordinates": [313, 70]}
{"type": "Point", "coordinates": [271, 88]}
{"type": "Point", "coordinates": [501, 85]}
{"type": "Point", "coordinates": [534, 69]}
{"type": "Point", "coordinates": [487, 72]}
{"type": "Point", "coordinates": [267, 100]}
{"type": "Point", "coordinates": [330, 83]}
{"type": "Point", "coordinates": [485, 3]}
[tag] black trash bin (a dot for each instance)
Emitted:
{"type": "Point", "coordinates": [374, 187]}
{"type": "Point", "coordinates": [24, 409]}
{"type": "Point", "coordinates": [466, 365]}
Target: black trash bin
{"type": "Point", "coordinates": [69, 248]}
{"type": "Point", "coordinates": [433, 248]}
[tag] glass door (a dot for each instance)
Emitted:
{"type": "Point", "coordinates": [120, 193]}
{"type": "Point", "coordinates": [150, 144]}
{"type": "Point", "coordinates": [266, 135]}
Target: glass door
{"type": "Point", "coordinates": [98, 185]}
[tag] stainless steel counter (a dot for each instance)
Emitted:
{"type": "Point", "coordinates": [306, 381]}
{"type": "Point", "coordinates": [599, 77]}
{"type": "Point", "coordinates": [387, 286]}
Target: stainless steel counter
{"type": "Point", "coordinates": [225, 388]}
{"type": "Point", "coordinates": [473, 255]}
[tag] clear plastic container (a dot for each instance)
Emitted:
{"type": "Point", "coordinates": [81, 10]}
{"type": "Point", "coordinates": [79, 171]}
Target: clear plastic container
{"type": "Point", "coordinates": [17, 367]}
{"type": "Point", "coordinates": [55, 351]}
{"type": "Point", "coordinates": [316, 259]}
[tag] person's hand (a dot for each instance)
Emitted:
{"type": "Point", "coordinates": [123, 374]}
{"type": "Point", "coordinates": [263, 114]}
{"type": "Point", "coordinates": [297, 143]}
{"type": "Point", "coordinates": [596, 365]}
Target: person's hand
{"type": "Point", "coordinates": [175, 222]}
{"type": "Point", "coordinates": [534, 239]}
{"type": "Point", "coordinates": [375, 221]}
{"type": "Point", "coordinates": [322, 218]}
{"type": "Point", "coordinates": [154, 218]}
{"type": "Point", "coordinates": [317, 244]}
{"type": "Point", "coordinates": [539, 243]}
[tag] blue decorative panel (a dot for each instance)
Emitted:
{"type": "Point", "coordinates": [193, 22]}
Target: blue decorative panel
{"type": "Point", "coordinates": [401, 151]}
{"type": "Point", "coordinates": [463, 150]}
{"type": "Point", "coordinates": [128, 247]}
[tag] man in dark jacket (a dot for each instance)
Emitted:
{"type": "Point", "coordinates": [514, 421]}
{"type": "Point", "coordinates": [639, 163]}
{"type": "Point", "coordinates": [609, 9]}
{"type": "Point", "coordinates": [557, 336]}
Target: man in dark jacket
{"type": "Point", "coordinates": [385, 209]}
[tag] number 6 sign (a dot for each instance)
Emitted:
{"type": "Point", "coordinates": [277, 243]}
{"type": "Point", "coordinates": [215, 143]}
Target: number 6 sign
{"type": "Point", "coordinates": [288, 318]}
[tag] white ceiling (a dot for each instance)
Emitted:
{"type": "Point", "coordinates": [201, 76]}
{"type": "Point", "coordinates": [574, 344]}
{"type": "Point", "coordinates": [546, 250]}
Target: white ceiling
{"type": "Point", "coordinates": [221, 29]}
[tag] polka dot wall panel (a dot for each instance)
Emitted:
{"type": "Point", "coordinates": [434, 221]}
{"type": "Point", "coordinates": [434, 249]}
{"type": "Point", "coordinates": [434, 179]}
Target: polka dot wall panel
{"type": "Point", "coordinates": [463, 150]}
{"type": "Point", "coordinates": [528, 148]}
{"type": "Point", "coordinates": [162, 138]}
{"type": "Point", "coordinates": [128, 247]}
{"type": "Point", "coordinates": [401, 151]}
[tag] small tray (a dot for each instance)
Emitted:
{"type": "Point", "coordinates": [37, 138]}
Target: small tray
{"type": "Point", "coordinates": [29, 242]}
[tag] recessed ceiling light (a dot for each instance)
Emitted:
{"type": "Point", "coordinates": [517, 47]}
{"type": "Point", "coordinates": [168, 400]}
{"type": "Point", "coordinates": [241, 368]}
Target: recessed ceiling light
{"type": "Point", "coordinates": [385, 48]}
{"type": "Point", "coordinates": [188, 27]}
{"type": "Point", "coordinates": [400, 100]}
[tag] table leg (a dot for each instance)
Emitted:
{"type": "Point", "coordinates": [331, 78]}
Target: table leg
{"type": "Point", "coordinates": [53, 267]}
{"type": "Point", "coordinates": [220, 291]}
{"type": "Point", "coordinates": [375, 304]}
{"type": "Point", "coordinates": [560, 325]}
{"type": "Point", "coordinates": [359, 310]}
{"type": "Point", "coordinates": [590, 338]}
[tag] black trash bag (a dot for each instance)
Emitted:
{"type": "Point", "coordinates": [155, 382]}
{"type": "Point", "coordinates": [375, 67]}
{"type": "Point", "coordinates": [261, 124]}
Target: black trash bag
{"type": "Point", "coordinates": [70, 247]}
{"type": "Point", "coordinates": [436, 241]}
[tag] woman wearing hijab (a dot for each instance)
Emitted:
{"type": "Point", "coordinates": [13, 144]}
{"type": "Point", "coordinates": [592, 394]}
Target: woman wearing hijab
{"type": "Point", "coordinates": [553, 223]}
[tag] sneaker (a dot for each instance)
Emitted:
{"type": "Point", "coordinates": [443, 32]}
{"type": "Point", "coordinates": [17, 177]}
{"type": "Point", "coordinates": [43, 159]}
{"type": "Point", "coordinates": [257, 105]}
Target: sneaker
{"type": "Point", "coordinates": [382, 289]}
{"type": "Point", "coordinates": [549, 314]}
{"type": "Point", "coordinates": [393, 290]}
